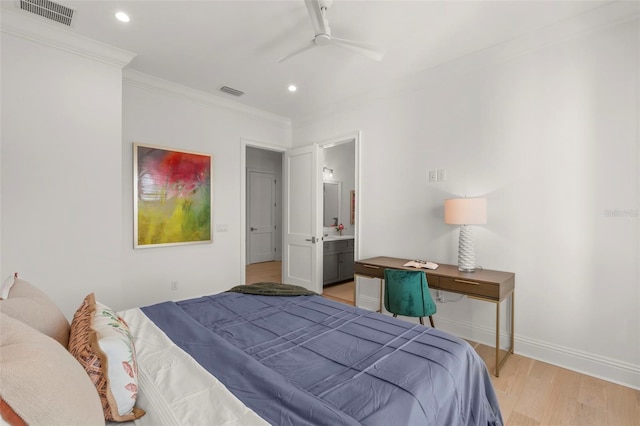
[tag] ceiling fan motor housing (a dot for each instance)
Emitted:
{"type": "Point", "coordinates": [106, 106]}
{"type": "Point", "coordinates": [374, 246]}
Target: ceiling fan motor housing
{"type": "Point", "coordinates": [322, 39]}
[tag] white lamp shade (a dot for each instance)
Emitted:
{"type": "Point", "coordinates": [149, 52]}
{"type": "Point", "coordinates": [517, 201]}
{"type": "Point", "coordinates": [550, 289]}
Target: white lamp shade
{"type": "Point", "coordinates": [465, 211]}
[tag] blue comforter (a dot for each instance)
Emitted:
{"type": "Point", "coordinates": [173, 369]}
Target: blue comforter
{"type": "Point", "coordinates": [309, 360]}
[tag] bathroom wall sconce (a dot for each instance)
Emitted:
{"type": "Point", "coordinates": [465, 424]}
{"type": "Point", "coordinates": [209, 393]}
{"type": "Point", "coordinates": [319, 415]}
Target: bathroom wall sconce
{"type": "Point", "coordinates": [327, 172]}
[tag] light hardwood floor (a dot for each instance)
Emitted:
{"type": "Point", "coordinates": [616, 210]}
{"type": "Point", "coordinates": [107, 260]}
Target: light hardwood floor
{"type": "Point", "coordinates": [529, 392]}
{"type": "Point", "coordinates": [264, 272]}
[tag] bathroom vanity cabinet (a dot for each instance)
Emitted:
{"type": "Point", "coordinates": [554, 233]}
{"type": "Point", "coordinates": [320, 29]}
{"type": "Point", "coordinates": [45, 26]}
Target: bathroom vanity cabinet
{"type": "Point", "coordinates": [338, 260]}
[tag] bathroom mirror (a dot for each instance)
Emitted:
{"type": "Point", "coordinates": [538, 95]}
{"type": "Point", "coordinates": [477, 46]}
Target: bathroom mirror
{"type": "Point", "coordinates": [331, 208]}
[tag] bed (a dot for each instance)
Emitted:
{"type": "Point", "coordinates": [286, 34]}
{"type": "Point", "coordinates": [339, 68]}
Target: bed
{"type": "Point", "coordinates": [254, 359]}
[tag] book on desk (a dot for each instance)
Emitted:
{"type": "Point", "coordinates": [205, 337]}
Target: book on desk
{"type": "Point", "coordinates": [421, 264]}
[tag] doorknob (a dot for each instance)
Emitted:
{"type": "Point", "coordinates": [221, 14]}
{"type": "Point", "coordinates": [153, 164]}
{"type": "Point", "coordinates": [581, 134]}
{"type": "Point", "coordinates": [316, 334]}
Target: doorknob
{"type": "Point", "coordinates": [253, 229]}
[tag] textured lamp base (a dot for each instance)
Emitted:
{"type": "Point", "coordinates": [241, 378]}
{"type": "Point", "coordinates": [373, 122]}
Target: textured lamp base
{"type": "Point", "coordinates": [466, 251]}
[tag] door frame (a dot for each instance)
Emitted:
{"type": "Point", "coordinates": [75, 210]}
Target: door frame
{"type": "Point", "coordinates": [244, 143]}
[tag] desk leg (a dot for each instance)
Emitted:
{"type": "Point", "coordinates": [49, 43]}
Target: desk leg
{"type": "Point", "coordinates": [500, 363]}
{"type": "Point", "coordinates": [513, 326]}
{"type": "Point", "coordinates": [381, 281]}
{"type": "Point", "coordinates": [498, 339]}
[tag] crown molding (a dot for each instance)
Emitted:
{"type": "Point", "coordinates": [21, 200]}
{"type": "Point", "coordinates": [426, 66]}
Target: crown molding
{"type": "Point", "coordinates": [39, 30]}
{"type": "Point", "coordinates": [613, 13]}
{"type": "Point", "coordinates": [146, 81]}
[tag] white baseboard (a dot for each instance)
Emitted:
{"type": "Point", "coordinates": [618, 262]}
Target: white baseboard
{"type": "Point", "coordinates": [612, 370]}
{"type": "Point", "coordinates": [608, 369]}
{"type": "Point", "coordinates": [368, 302]}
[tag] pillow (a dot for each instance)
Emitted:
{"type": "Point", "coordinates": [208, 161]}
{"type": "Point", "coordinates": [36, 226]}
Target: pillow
{"type": "Point", "coordinates": [41, 382]}
{"type": "Point", "coordinates": [31, 306]}
{"type": "Point", "coordinates": [6, 286]}
{"type": "Point", "coordinates": [101, 341]}
{"type": "Point", "coordinates": [9, 416]}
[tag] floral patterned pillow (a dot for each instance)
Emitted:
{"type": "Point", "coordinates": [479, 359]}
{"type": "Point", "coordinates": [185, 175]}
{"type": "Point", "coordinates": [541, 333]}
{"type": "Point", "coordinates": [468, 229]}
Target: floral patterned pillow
{"type": "Point", "coordinates": [101, 341]}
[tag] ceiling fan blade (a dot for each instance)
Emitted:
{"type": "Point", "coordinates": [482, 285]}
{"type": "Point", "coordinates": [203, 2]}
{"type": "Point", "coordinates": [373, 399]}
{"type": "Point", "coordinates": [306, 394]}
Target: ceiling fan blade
{"type": "Point", "coordinates": [366, 49]}
{"type": "Point", "coordinates": [320, 24]}
{"type": "Point", "coordinates": [307, 46]}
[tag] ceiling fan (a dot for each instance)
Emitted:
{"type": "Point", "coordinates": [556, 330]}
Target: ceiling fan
{"type": "Point", "coordinates": [317, 12]}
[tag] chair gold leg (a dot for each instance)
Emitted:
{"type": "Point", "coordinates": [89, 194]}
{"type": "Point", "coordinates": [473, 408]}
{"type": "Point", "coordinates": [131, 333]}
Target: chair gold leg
{"type": "Point", "coordinates": [431, 320]}
{"type": "Point", "coordinates": [421, 320]}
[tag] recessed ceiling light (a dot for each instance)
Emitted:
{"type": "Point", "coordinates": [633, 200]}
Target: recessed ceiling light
{"type": "Point", "coordinates": [122, 17]}
{"type": "Point", "coordinates": [292, 88]}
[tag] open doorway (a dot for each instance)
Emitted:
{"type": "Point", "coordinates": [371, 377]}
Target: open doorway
{"type": "Point", "coordinates": [263, 213]}
{"type": "Point", "coordinates": [339, 191]}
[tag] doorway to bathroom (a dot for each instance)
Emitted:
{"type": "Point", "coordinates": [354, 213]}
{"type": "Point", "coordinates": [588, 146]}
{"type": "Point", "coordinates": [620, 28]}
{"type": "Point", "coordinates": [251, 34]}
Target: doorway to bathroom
{"type": "Point", "coordinates": [338, 220]}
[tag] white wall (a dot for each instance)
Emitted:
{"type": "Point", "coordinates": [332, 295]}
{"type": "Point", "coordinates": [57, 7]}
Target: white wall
{"type": "Point", "coordinates": [154, 113]}
{"type": "Point", "coordinates": [61, 172]}
{"type": "Point", "coordinates": [550, 137]}
{"type": "Point", "coordinates": [68, 125]}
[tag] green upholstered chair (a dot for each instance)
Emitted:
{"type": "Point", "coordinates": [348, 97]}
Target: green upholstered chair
{"type": "Point", "coordinates": [407, 293]}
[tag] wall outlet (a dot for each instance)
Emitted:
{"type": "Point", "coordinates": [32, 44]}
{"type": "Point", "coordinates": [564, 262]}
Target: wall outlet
{"type": "Point", "coordinates": [174, 285]}
{"type": "Point", "coordinates": [441, 175]}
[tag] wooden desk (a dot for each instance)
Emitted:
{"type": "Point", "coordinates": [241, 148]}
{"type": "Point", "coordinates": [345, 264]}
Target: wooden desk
{"type": "Point", "coordinates": [483, 284]}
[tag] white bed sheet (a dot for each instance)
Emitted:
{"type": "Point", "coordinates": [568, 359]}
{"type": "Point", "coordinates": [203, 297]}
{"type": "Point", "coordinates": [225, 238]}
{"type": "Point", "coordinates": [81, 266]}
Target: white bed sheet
{"type": "Point", "coordinates": [173, 388]}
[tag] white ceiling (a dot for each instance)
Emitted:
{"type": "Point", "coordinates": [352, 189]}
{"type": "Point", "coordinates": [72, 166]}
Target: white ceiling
{"type": "Point", "coordinates": [209, 44]}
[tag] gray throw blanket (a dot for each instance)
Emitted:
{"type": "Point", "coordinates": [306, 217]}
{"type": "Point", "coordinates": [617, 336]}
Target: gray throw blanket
{"type": "Point", "coordinates": [272, 289]}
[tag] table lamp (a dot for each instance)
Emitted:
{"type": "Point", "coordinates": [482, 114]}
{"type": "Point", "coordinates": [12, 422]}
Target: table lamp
{"type": "Point", "coordinates": [466, 211]}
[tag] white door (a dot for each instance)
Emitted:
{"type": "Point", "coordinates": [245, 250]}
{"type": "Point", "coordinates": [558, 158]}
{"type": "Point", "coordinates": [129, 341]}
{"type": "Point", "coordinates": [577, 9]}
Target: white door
{"type": "Point", "coordinates": [302, 248]}
{"type": "Point", "coordinates": [261, 224]}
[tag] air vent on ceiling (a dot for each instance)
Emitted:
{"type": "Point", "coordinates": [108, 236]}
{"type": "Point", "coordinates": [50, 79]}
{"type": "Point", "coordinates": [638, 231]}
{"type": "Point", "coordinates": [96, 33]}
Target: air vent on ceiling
{"type": "Point", "coordinates": [48, 9]}
{"type": "Point", "coordinates": [231, 91]}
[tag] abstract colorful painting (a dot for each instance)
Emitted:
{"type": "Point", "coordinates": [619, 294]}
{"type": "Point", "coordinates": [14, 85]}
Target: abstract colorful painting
{"type": "Point", "coordinates": [172, 196]}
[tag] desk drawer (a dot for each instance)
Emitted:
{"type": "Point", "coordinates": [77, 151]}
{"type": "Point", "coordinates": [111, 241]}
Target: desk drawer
{"type": "Point", "coordinates": [372, 271]}
{"type": "Point", "coordinates": [469, 287]}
